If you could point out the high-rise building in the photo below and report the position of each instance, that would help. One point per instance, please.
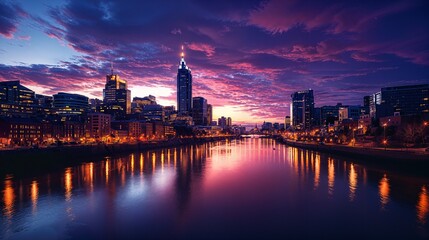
(70, 104)
(138, 103)
(229, 122)
(350, 112)
(404, 100)
(209, 114)
(116, 96)
(287, 122)
(95, 105)
(367, 103)
(302, 109)
(184, 87)
(374, 103)
(317, 116)
(222, 122)
(13, 92)
(199, 111)
(153, 112)
(44, 101)
(329, 114)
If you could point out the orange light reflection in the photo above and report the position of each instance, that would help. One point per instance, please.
(423, 206)
(384, 190)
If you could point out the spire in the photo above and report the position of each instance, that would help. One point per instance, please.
(182, 64)
(111, 67)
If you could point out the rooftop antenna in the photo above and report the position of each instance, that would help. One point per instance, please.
(111, 67)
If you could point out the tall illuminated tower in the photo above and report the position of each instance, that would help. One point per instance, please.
(116, 96)
(184, 87)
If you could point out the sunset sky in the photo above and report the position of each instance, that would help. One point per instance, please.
(247, 57)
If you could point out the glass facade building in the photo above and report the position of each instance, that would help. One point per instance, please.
(302, 109)
(184, 88)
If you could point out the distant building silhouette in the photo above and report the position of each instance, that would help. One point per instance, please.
(209, 114)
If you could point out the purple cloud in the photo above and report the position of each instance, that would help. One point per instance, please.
(9, 18)
(248, 54)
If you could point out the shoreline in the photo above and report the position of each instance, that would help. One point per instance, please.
(41, 158)
(366, 154)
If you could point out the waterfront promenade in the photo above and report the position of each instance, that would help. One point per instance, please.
(390, 155)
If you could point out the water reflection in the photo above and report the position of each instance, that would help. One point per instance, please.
(317, 171)
(180, 183)
(331, 176)
(68, 185)
(34, 195)
(384, 190)
(8, 198)
(423, 206)
(353, 176)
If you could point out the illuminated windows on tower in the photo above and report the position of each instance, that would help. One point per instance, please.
(184, 87)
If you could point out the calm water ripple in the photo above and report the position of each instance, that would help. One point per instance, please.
(242, 189)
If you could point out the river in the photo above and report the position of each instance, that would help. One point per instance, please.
(239, 189)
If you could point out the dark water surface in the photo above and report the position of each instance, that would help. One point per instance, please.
(242, 189)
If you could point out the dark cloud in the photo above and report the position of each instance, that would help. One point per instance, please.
(9, 18)
(251, 54)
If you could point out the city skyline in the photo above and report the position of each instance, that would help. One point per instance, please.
(247, 58)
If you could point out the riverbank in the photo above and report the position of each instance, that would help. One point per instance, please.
(395, 156)
(28, 159)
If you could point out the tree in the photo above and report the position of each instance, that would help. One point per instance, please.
(411, 133)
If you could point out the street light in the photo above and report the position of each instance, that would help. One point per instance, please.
(354, 140)
(384, 141)
(424, 132)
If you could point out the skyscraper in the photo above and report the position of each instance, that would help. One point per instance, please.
(184, 87)
(302, 109)
(367, 103)
(199, 111)
(116, 96)
(209, 114)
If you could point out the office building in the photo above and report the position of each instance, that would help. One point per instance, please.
(199, 111)
(329, 114)
(317, 116)
(116, 96)
(138, 103)
(229, 122)
(209, 114)
(70, 104)
(302, 109)
(222, 122)
(14, 93)
(98, 125)
(287, 122)
(184, 87)
(367, 103)
(404, 100)
(350, 112)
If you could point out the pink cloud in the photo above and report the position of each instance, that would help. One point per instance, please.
(202, 47)
(362, 57)
(277, 16)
